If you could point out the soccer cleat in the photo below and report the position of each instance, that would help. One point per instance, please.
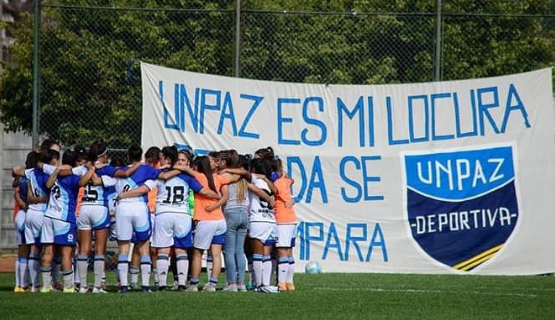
(282, 286)
(230, 288)
(210, 287)
(18, 289)
(290, 286)
(123, 289)
(45, 290)
(99, 290)
(83, 290)
(268, 289)
(70, 290)
(145, 289)
(192, 288)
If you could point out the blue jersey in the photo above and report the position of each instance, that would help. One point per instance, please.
(98, 195)
(37, 181)
(23, 183)
(173, 194)
(63, 198)
(137, 179)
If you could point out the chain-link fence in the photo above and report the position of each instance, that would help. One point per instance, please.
(90, 78)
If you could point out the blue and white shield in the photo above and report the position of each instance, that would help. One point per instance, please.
(462, 206)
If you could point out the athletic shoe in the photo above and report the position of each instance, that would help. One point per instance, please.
(45, 289)
(103, 285)
(250, 286)
(58, 287)
(35, 289)
(290, 286)
(242, 288)
(268, 289)
(82, 290)
(123, 289)
(99, 290)
(134, 286)
(146, 289)
(192, 288)
(18, 290)
(70, 290)
(211, 287)
(181, 288)
(175, 285)
(282, 286)
(230, 288)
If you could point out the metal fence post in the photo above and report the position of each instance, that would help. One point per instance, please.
(437, 75)
(238, 39)
(36, 79)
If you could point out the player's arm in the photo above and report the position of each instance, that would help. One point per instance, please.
(64, 170)
(260, 193)
(87, 176)
(52, 178)
(133, 193)
(208, 193)
(32, 199)
(185, 169)
(96, 180)
(225, 195)
(17, 198)
(270, 184)
(242, 173)
(18, 171)
(168, 174)
(125, 173)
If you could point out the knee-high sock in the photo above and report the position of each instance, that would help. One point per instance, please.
(146, 267)
(257, 269)
(291, 271)
(283, 268)
(266, 270)
(68, 278)
(82, 266)
(34, 268)
(98, 268)
(123, 268)
(17, 277)
(182, 262)
(46, 277)
(162, 266)
(22, 272)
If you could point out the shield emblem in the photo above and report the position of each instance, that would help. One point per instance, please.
(462, 206)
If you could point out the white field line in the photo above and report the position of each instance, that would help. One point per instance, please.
(423, 291)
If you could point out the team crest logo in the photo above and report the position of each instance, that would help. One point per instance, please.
(462, 206)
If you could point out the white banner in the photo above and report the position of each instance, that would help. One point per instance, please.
(445, 177)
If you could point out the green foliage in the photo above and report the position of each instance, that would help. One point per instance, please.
(90, 77)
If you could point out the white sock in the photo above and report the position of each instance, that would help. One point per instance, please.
(162, 266)
(123, 268)
(134, 272)
(209, 264)
(182, 268)
(291, 271)
(34, 268)
(266, 270)
(23, 272)
(82, 266)
(283, 268)
(68, 278)
(46, 277)
(17, 271)
(98, 268)
(146, 268)
(257, 269)
(155, 274)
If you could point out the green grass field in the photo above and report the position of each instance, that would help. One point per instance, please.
(325, 296)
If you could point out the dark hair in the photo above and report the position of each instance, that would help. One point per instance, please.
(262, 166)
(47, 155)
(47, 144)
(170, 152)
(232, 159)
(135, 153)
(245, 161)
(32, 159)
(215, 154)
(152, 154)
(97, 148)
(265, 153)
(69, 158)
(203, 166)
(117, 162)
(80, 153)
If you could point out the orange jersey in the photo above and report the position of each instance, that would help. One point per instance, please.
(79, 201)
(284, 214)
(152, 195)
(202, 202)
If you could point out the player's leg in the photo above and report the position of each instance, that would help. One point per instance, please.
(101, 237)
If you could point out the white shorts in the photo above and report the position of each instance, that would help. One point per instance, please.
(209, 232)
(33, 226)
(93, 217)
(58, 232)
(133, 221)
(19, 222)
(286, 235)
(263, 231)
(172, 229)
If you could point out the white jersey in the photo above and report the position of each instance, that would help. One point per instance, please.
(37, 184)
(173, 194)
(260, 210)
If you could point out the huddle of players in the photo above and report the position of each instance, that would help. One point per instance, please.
(231, 194)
